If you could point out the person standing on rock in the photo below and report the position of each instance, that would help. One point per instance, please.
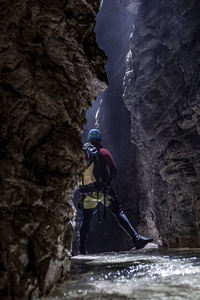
(95, 188)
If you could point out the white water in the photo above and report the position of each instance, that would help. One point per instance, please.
(144, 274)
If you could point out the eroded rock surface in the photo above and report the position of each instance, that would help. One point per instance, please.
(51, 69)
(162, 93)
(131, 5)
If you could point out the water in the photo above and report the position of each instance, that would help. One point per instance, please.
(144, 274)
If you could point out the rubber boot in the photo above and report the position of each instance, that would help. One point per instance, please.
(141, 241)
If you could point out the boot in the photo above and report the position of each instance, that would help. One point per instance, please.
(141, 241)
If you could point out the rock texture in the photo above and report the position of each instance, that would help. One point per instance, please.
(162, 94)
(50, 71)
(131, 5)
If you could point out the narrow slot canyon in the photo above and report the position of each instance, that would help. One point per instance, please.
(131, 69)
(110, 115)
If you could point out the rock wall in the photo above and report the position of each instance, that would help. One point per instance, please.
(161, 91)
(51, 69)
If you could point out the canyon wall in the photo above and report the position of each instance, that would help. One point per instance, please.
(162, 93)
(51, 69)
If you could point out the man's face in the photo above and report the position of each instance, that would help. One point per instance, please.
(95, 142)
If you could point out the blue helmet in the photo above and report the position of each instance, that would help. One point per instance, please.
(94, 134)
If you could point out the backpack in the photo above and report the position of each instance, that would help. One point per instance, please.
(96, 176)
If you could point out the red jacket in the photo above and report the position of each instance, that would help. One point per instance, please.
(110, 163)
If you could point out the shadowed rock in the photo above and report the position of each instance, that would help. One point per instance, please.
(161, 90)
(131, 5)
(50, 71)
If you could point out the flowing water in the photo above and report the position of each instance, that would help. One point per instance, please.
(142, 274)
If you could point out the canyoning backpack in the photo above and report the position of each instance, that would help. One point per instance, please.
(96, 177)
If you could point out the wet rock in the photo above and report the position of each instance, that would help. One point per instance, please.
(131, 5)
(51, 69)
(161, 91)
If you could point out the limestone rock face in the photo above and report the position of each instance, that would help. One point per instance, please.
(131, 5)
(162, 93)
(50, 71)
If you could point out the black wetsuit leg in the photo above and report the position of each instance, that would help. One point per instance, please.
(85, 226)
(123, 221)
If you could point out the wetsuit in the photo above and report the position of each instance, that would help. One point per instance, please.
(90, 203)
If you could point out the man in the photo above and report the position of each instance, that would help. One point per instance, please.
(96, 188)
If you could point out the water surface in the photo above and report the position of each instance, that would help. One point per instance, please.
(143, 274)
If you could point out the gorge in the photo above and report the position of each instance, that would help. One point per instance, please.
(51, 70)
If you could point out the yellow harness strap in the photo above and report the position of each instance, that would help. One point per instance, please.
(90, 201)
(88, 176)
